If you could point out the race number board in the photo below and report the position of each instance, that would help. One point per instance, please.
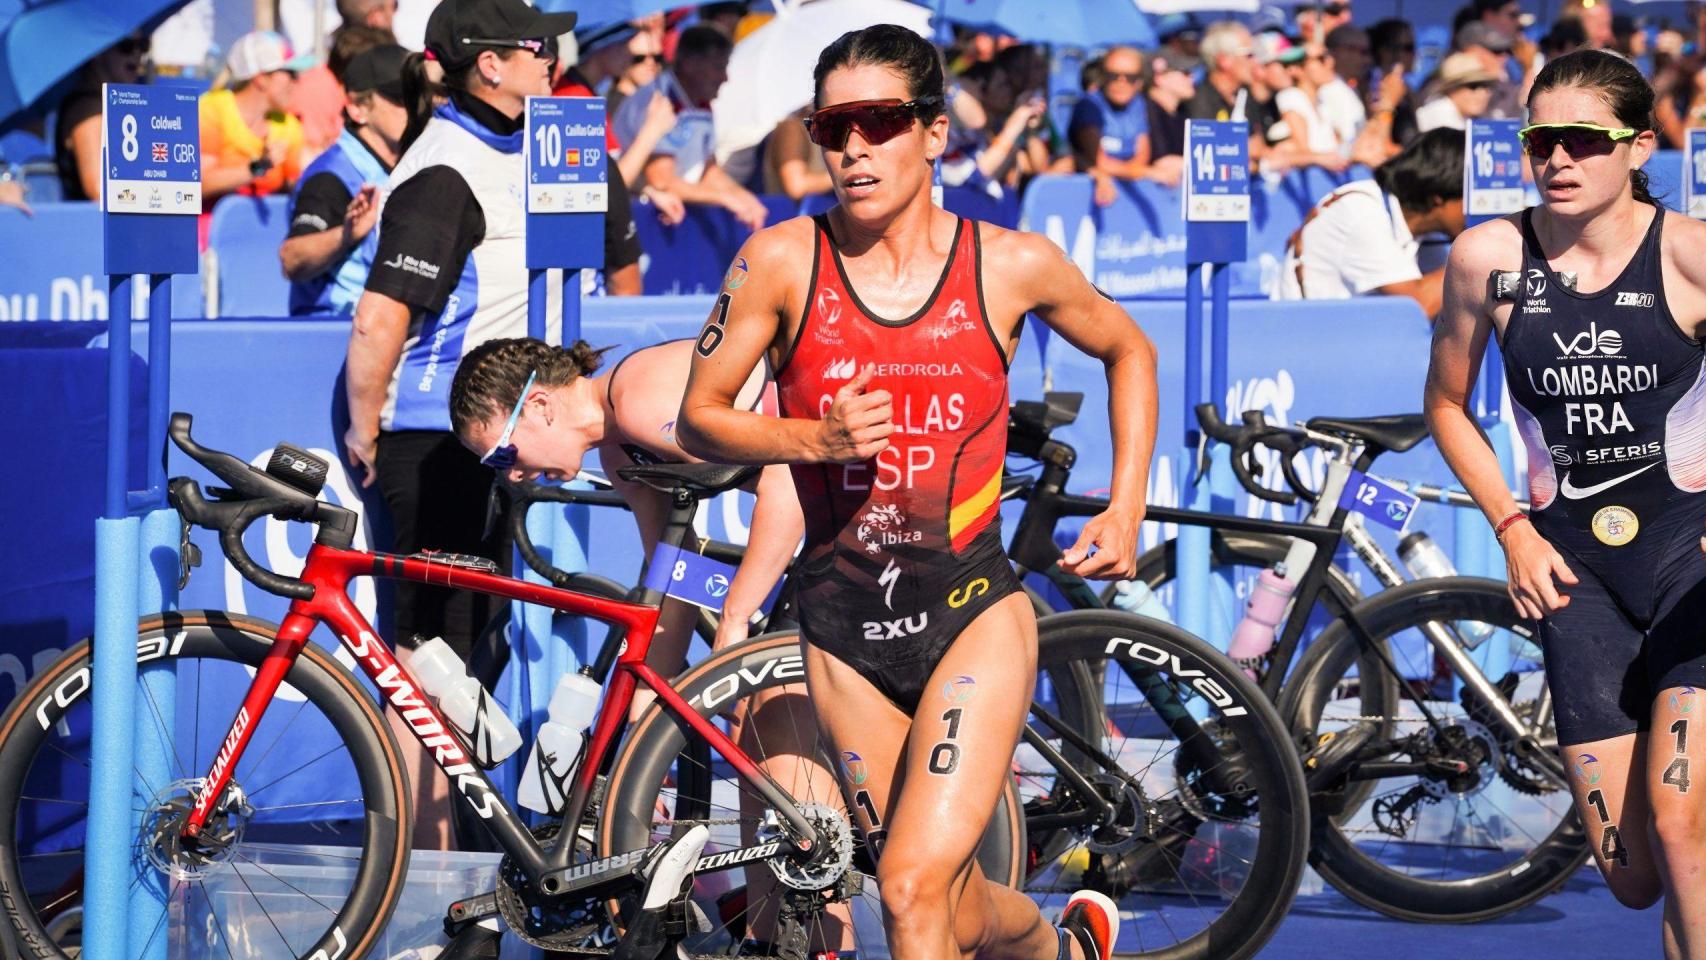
(1492, 170)
(1216, 194)
(151, 177)
(568, 189)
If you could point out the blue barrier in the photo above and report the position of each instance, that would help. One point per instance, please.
(242, 242)
(52, 267)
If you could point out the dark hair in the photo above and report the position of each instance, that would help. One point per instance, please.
(352, 39)
(1615, 81)
(1093, 73)
(489, 379)
(1347, 33)
(1567, 34)
(1385, 34)
(1427, 172)
(420, 93)
(909, 55)
(701, 41)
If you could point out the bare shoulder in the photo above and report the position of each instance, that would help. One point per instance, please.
(1684, 238)
(1483, 248)
(1017, 250)
(780, 243)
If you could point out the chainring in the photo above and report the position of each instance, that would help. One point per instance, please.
(567, 924)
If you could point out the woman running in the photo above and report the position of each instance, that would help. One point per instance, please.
(1598, 297)
(892, 355)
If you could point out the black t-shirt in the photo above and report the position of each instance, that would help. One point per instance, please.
(1166, 131)
(321, 202)
(431, 218)
(78, 107)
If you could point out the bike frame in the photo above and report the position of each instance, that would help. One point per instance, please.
(329, 570)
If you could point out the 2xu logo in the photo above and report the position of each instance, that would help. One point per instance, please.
(1155, 656)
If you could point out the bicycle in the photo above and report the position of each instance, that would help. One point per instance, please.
(1432, 751)
(562, 888)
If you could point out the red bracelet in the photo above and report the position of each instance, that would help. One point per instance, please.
(1505, 524)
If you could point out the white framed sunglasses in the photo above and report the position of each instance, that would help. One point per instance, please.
(502, 454)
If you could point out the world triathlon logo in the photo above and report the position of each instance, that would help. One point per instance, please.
(960, 689)
(1587, 769)
(857, 773)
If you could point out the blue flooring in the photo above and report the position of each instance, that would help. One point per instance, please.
(1581, 920)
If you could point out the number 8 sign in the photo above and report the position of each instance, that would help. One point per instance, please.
(150, 136)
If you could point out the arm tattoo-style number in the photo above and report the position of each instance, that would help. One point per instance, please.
(1680, 728)
(1677, 774)
(1597, 801)
(1611, 847)
(712, 336)
(945, 756)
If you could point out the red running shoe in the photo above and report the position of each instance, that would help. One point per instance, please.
(1095, 921)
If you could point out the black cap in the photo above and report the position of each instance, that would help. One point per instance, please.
(455, 21)
(379, 69)
(598, 36)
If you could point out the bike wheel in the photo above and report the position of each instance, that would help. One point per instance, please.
(1238, 558)
(658, 789)
(1205, 830)
(1477, 833)
(253, 888)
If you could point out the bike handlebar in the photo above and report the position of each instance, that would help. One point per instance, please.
(1243, 440)
(524, 495)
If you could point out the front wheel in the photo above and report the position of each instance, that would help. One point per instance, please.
(250, 887)
(1436, 817)
(1186, 806)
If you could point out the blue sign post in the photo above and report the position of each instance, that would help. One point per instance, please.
(567, 196)
(1694, 173)
(1216, 198)
(1492, 188)
(151, 194)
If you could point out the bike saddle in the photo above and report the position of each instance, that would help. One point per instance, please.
(701, 481)
(1396, 433)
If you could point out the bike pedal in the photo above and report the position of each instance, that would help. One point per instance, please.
(469, 911)
(1334, 752)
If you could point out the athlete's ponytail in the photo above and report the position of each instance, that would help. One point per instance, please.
(1615, 81)
(490, 378)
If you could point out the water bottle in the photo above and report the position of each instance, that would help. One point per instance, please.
(574, 705)
(1134, 596)
(465, 703)
(1263, 612)
(1424, 559)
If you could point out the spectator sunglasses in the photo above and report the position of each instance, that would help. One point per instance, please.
(878, 121)
(1579, 139)
(545, 48)
(502, 454)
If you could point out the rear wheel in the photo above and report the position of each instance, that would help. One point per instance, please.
(305, 855)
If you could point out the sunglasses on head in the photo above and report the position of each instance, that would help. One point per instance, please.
(1578, 139)
(546, 47)
(502, 454)
(878, 121)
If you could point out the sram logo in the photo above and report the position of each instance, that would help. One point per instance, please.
(423, 719)
(746, 678)
(1155, 656)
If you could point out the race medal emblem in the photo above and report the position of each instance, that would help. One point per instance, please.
(1615, 526)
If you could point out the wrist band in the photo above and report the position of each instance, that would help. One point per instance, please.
(1505, 524)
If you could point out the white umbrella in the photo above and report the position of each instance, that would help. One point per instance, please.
(770, 72)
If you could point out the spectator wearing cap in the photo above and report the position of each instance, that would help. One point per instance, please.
(330, 247)
(600, 53)
(1314, 139)
(318, 100)
(1109, 129)
(1361, 239)
(684, 162)
(1179, 34)
(77, 137)
(1171, 83)
(449, 274)
(1494, 50)
(645, 62)
(1465, 90)
(250, 143)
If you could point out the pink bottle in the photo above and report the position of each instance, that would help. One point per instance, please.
(1254, 636)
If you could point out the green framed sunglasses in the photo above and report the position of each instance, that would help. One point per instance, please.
(1578, 139)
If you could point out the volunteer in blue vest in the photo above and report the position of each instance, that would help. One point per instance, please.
(449, 274)
(1109, 129)
(330, 248)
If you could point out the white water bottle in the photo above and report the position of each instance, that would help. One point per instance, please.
(1134, 596)
(574, 705)
(1424, 559)
(487, 729)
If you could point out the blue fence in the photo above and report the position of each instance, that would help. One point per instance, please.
(1133, 249)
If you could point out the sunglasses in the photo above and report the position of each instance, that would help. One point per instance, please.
(132, 45)
(878, 121)
(640, 58)
(1127, 77)
(1578, 139)
(537, 47)
(502, 454)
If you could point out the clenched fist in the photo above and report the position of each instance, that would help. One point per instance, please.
(858, 424)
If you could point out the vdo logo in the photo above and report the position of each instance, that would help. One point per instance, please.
(1590, 341)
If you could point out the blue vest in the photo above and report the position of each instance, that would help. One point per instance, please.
(1121, 128)
(337, 290)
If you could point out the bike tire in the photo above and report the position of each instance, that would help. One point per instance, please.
(771, 664)
(1371, 875)
(48, 722)
(1158, 566)
(1261, 809)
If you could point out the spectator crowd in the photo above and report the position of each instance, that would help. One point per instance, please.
(1318, 89)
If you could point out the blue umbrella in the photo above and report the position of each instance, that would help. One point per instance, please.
(43, 42)
(598, 12)
(1083, 23)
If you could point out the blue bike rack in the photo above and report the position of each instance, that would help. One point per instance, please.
(136, 537)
